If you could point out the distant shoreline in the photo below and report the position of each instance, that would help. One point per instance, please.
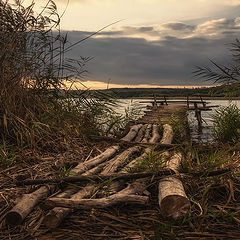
(192, 97)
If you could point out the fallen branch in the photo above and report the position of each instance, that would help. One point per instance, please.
(118, 176)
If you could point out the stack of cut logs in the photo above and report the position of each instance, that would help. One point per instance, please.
(173, 201)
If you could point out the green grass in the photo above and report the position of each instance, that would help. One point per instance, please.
(226, 124)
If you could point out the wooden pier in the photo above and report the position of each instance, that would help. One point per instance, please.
(127, 165)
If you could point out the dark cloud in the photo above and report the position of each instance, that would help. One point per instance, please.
(179, 26)
(168, 61)
(145, 29)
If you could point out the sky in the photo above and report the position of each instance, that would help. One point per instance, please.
(156, 43)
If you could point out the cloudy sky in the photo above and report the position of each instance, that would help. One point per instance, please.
(156, 43)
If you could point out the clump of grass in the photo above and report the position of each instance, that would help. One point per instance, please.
(226, 124)
(7, 154)
(200, 159)
(152, 162)
(37, 105)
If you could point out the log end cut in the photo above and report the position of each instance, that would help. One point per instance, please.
(174, 206)
(13, 218)
(172, 198)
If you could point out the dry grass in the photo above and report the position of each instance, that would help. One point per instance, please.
(214, 213)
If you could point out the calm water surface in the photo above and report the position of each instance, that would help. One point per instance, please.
(197, 135)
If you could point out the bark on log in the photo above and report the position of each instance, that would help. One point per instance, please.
(172, 198)
(26, 205)
(84, 166)
(54, 218)
(167, 134)
(140, 134)
(128, 195)
(96, 169)
(174, 162)
(147, 133)
(132, 133)
(155, 134)
(120, 160)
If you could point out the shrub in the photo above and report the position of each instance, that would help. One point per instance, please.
(226, 124)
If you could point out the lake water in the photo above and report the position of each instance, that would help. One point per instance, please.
(197, 135)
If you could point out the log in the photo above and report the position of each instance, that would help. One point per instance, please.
(84, 166)
(167, 134)
(141, 133)
(132, 133)
(120, 160)
(29, 201)
(26, 205)
(147, 133)
(132, 165)
(155, 134)
(174, 162)
(172, 198)
(58, 214)
(96, 169)
(54, 218)
(128, 195)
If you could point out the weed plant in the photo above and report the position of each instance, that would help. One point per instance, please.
(226, 124)
(37, 106)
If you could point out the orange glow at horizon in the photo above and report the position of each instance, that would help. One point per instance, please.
(97, 85)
